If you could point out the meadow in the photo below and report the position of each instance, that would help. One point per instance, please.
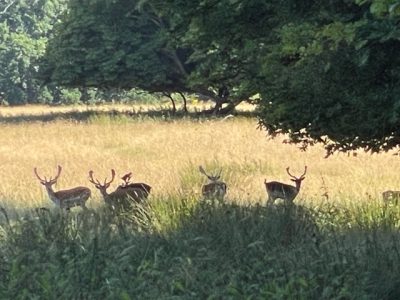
(338, 242)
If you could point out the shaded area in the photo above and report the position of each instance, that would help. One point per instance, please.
(195, 250)
(85, 116)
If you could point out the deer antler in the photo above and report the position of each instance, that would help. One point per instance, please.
(37, 175)
(58, 174)
(202, 171)
(112, 178)
(302, 176)
(97, 183)
(211, 177)
(92, 180)
(305, 171)
(45, 178)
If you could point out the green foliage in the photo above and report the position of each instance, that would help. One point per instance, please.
(25, 27)
(102, 44)
(336, 79)
(184, 249)
(154, 46)
(323, 72)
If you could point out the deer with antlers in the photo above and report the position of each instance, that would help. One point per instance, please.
(121, 197)
(65, 199)
(216, 189)
(391, 196)
(278, 190)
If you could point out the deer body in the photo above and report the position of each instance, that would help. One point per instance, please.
(124, 194)
(286, 192)
(137, 191)
(216, 189)
(65, 199)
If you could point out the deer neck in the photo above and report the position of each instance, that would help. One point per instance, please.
(52, 195)
(298, 185)
(104, 193)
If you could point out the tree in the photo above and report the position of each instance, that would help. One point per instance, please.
(334, 77)
(24, 29)
(156, 46)
(324, 71)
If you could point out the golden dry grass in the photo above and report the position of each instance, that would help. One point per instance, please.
(166, 154)
(37, 110)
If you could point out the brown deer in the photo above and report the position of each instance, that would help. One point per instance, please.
(216, 189)
(391, 196)
(65, 199)
(122, 196)
(139, 190)
(278, 190)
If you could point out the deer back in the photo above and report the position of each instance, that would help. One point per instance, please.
(124, 196)
(214, 190)
(278, 190)
(72, 197)
(136, 191)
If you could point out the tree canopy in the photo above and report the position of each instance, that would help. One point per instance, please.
(333, 77)
(323, 72)
(25, 27)
(153, 45)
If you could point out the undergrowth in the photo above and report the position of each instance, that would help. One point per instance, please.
(196, 250)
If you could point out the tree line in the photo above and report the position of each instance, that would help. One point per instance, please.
(320, 71)
(26, 26)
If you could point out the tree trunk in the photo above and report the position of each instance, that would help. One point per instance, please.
(172, 101)
(84, 95)
(184, 102)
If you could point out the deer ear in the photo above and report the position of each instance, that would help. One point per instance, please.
(294, 180)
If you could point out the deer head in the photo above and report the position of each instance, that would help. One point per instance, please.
(48, 183)
(297, 180)
(212, 178)
(102, 186)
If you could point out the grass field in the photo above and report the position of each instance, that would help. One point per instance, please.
(344, 246)
(166, 154)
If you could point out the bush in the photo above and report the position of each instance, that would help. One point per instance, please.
(184, 249)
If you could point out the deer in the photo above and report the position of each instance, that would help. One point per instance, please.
(216, 189)
(278, 190)
(140, 190)
(391, 196)
(65, 199)
(121, 197)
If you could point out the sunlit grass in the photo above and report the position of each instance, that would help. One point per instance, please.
(35, 110)
(342, 244)
(166, 154)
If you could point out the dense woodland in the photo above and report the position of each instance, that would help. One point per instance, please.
(321, 71)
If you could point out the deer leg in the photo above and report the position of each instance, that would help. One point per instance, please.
(270, 200)
(83, 205)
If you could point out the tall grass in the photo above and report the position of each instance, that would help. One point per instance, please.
(192, 250)
(338, 242)
(166, 154)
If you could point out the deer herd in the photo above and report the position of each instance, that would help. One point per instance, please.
(128, 193)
